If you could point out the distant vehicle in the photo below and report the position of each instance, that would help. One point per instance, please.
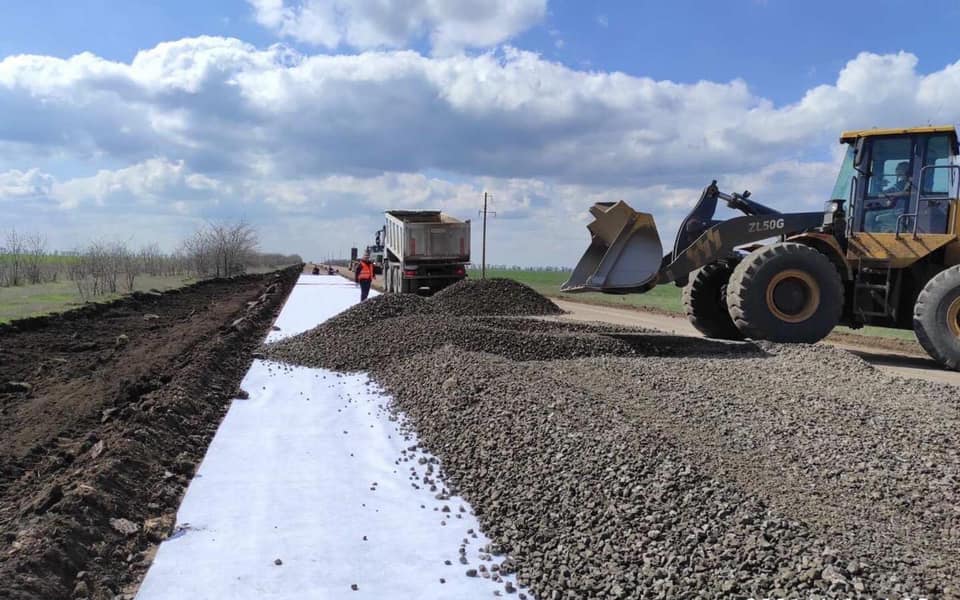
(376, 252)
(424, 251)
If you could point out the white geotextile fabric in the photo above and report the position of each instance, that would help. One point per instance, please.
(288, 476)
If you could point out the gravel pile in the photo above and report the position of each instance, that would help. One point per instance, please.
(585, 499)
(870, 459)
(355, 346)
(615, 463)
(492, 297)
(378, 308)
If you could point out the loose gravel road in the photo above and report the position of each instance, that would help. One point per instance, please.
(614, 462)
(898, 362)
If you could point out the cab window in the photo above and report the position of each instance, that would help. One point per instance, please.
(936, 186)
(888, 188)
(936, 181)
(841, 189)
(889, 166)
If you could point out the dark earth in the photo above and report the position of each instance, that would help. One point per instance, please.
(105, 411)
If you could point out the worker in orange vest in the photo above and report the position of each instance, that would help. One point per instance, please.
(364, 275)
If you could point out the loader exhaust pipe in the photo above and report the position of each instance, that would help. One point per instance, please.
(625, 252)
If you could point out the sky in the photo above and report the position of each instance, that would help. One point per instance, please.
(140, 121)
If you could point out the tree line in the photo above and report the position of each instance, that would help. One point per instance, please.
(102, 267)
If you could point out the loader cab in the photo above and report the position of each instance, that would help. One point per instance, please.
(900, 181)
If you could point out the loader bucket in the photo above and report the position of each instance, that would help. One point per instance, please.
(624, 254)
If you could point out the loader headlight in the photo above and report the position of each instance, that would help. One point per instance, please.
(833, 212)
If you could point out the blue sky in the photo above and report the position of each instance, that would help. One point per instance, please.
(370, 107)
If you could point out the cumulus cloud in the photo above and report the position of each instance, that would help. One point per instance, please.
(450, 25)
(155, 181)
(226, 107)
(33, 183)
(205, 126)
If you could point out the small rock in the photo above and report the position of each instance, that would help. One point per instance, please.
(471, 572)
(124, 526)
(80, 590)
(16, 387)
(158, 529)
(107, 413)
(354, 587)
(278, 562)
(833, 575)
(122, 340)
(150, 317)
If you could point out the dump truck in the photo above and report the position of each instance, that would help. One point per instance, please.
(885, 251)
(424, 251)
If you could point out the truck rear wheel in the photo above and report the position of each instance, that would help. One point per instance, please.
(785, 292)
(936, 318)
(705, 302)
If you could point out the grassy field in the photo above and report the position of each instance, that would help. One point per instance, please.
(35, 300)
(663, 297)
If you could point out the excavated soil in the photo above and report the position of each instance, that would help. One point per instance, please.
(105, 412)
(617, 463)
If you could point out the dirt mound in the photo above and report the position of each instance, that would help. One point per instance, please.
(492, 297)
(97, 451)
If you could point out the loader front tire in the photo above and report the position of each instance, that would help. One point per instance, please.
(936, 318)
(705, 301)
(785, 292)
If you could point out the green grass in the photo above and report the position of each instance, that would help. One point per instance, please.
(662, 297)
(34, 300)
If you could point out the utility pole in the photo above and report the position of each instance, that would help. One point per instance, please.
(483, 251)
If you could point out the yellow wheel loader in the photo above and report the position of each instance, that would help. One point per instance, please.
(885, 251)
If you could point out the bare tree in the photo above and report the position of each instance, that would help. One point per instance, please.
(13, 258)
(130, 265)
(151, 260)
(34, 257)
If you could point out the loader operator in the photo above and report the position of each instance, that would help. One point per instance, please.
(364, 275)
(883, 214)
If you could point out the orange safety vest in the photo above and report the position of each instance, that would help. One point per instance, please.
(366, 271)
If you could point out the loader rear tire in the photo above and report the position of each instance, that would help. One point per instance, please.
(936, 318)
(785, 292)
(705, 301)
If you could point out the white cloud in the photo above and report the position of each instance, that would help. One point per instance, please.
(450, 25)
(16, 184)
(226, 107)
(152, 182)
(208, 127)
